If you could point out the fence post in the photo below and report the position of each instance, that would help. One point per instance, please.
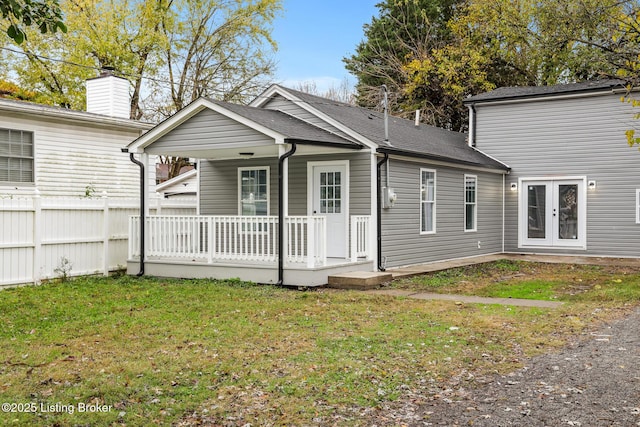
(105, 234)
(353, 223)
(311, 241)
(37, 236)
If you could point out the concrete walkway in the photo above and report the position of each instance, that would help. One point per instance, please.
(445, 265)
(467, 299)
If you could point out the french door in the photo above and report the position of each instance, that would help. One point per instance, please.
(553, 213)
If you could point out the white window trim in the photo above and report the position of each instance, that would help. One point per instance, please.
(251, 168)
(435, 192)
(9, 186)
(475, 204)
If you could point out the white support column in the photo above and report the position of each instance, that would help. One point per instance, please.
(144, 158)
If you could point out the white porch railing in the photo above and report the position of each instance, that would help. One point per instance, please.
(243, 238)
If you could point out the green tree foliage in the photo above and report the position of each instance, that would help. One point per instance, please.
(45, 15)
(172, 51)
(434, 53)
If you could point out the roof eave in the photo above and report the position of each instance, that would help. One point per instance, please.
(435, 157)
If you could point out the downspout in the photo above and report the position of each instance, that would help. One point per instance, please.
(142, 208)
(281, 216)
(379, 210)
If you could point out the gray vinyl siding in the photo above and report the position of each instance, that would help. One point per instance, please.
(292, 108)
(570, 137)
(402, 242)
(219, 183)
(204, 130)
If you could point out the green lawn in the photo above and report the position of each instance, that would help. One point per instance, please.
(160, 352)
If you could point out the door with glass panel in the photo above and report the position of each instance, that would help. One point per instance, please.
(329, 195)
(553, 213)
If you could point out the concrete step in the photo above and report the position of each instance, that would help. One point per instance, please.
(359, 280)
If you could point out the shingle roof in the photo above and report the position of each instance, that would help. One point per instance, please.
(287, 125)
(524, 92)
(404, 137)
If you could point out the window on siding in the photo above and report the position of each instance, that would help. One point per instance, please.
(470, 202)
(427, 201)
(254, 191)
(16, 156)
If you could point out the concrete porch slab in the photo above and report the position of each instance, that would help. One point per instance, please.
(359, 280)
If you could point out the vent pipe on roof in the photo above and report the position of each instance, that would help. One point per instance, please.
(417, 123)
(385, 105)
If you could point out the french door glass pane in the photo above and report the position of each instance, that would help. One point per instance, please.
(536, 220)
(568, 211)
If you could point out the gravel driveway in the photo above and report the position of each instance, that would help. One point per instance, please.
(592, 382)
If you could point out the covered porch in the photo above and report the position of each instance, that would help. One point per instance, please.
(246, 247)
(280, 201)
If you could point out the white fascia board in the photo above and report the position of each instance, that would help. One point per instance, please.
(262, 99)
(188, 112)
(541, 98)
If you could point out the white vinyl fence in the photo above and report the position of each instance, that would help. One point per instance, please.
(43, 238)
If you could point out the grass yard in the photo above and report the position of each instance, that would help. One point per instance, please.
(168, 352)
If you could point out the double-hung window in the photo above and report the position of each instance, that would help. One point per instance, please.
(427, 201)
(16, 156)
(470, 202)
(253, 191)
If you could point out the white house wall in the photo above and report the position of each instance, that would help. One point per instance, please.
(71, 157)
(583, 137)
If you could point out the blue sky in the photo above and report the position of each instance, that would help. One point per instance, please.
(314, 35)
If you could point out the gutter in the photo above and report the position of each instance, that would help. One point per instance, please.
(281, 216)
(379, 210)
(142, 208)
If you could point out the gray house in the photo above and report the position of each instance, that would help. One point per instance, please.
(295, 188)
(574, 184)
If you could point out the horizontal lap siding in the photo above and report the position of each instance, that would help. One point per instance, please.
(71, 158)
(402, 242)
(570, 137)
(219, 183)
(204, 130)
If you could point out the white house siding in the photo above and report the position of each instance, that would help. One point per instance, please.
(570, 137)
(402, 242)
(219, 183)
(72, 156)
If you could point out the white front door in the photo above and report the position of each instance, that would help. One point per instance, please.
(330, 189)
(553, 213)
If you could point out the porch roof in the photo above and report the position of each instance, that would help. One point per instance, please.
(265, 129)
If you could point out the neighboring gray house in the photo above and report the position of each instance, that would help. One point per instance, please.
(294, 188)
(574, 185)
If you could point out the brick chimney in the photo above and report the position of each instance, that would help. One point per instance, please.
(109, 95)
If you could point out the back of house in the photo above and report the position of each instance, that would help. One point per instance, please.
(574, 184)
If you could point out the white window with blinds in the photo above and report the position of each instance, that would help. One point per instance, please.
(16, 156)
